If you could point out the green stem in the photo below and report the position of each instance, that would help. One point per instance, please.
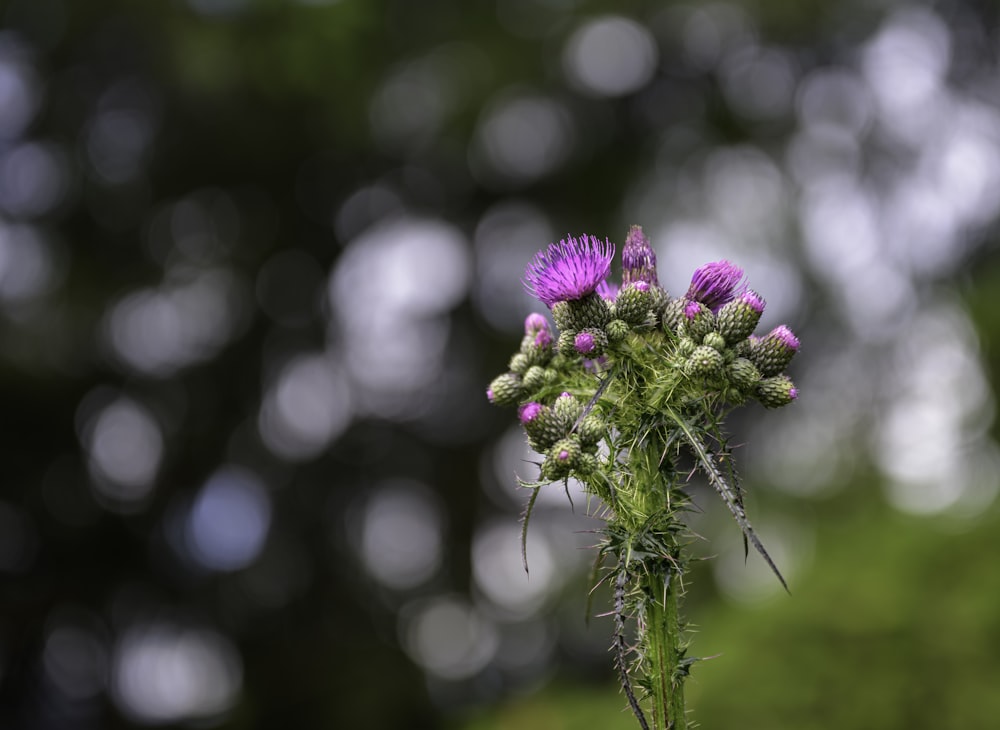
(665, 653)
(657, 504)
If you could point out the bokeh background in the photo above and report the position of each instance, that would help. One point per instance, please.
(259, 259)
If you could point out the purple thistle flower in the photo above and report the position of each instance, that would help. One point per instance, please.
(715, 283)
(529, 412)
(543, 339)
(563, 455)
(786, 337)
(752, 299)
(607, 291)
(638, 258)
(793, 393)
(584, 343)
(691, 310)
(535, 322)
(489, 395)
(569, 270)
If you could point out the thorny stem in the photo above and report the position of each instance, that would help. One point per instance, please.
(658, 581)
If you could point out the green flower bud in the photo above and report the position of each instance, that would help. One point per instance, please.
(743, 374)
(591, 430)
(705, 361)
(590, 311)
(697, 320)
(633, 302)
(533, 379)
(772, 353)
(567, 409)
(567, 344)
(685, 346)
(519, 363)
(776, 391)
(659, 300)
(737, 319)
(673, 314)
(505, 390)
(617, 330)
(563, 316)
(586, 464)
(561, 458)
(541, 424)
(715, 341)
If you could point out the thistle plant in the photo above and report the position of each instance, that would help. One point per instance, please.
(629, 396)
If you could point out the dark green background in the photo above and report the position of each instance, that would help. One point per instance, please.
(894, 618)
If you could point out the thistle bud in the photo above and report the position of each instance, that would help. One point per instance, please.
(617, 330)
(567, 343)
(505, 390)
(562, 315)
(537, 348)
(590, 311)
(567, 410)
(715, 341)
(772, 352)
(586, 464)
(633, 302)
(685, 346)
(737, 319)
(673, 314)
(705, 362)
(519, 363)
(743, 374)
(697, 320)
(533, 379)
(541, 424)
(638, 259)
(590, 342)
(591, 430)
(535, 323)
(776, 391)
(561, 458)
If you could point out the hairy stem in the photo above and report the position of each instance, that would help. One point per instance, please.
(655, 528)
(665, 653)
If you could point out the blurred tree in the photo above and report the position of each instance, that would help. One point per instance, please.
(258, 260)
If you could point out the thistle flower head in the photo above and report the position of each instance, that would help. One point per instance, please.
(751, 299)
(715, 283)
(738, 318)
(772, 352)
(569, 270)
(585, 343)
(535, 323)
(638, 258)
(786, 337)
(692, 309)
(529, 412)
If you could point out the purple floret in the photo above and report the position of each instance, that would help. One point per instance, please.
(753, 300)
(584, 343)
(638, 258)
(529, 412)
(569, 270)
(786, 337)
(715, 283)
(535, 322)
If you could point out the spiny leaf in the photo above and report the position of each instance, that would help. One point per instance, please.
(525, 516)
(733, 501)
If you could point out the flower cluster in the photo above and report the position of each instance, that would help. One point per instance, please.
(705, 336)
(650, 378)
